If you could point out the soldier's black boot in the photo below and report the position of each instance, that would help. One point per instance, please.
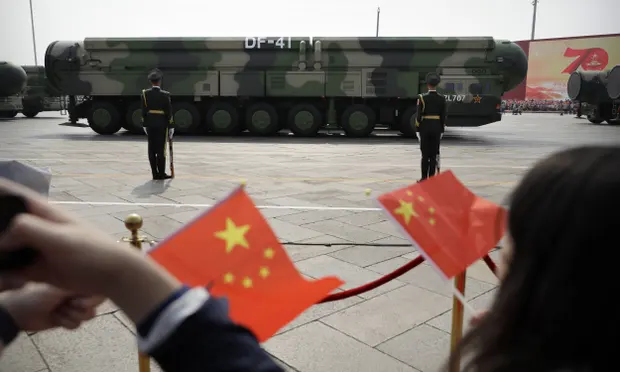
(424, 166)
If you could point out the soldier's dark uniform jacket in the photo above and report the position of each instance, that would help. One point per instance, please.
(157, 119)
(430, 122)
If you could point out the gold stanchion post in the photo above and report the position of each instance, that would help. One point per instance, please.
(133, 223)
(457, 321)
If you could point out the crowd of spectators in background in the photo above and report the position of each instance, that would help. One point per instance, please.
(532, 105)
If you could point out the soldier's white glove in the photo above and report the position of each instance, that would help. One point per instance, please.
(441, 136)
(417, 134)
(170, 133)
(145, 132)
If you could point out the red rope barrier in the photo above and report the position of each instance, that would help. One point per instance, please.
(374, 284)
(389, 277)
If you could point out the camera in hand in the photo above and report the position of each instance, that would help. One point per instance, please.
(11, 206)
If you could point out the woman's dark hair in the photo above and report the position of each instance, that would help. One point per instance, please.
(557, 309)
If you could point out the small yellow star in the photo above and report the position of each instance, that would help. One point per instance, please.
(406, 210)
(229, 278)
(264, 272)
(431, 210)
(247, 282)
(409, 193)
(431, 221)
(233, 235)
(269, 253)
(420, 198)
(477, 99)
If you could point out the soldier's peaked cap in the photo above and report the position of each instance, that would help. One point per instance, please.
(433, 78)
(155, 75)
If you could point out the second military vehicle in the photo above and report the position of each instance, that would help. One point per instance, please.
(12, 82)
(227, 85)
(39, 96)
(598, 92)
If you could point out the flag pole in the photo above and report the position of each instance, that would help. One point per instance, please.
(133, 223)
(457, 318)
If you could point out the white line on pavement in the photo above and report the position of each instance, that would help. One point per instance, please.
(294, 207)
(383, 165)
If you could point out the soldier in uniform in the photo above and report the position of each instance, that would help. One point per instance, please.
(158, 123)
(430, 123)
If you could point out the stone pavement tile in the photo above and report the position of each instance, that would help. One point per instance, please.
(367, 255)
(353, 276)
(312, 216)
(107, 224)
(345, 231)
(191, 199)
(289, 201)
(22, 356)
(387, 227)
(97, 210)
(315, 347)
(423, 347)
(107, 307)
(363, 218)
(160, 227)
(309, 248)
(321, 310)
(385, 316)
(424, 276)
(185, 217)
(151, 211)
(342, 203)
(288, 232)
(103, 344)
(480, 303)
(283, 365)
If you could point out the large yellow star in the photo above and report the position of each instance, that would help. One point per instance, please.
(233, 235)
(406, 210)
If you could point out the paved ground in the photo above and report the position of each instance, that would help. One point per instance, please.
(312, 191)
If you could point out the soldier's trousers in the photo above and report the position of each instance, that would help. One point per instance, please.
(429, 145)
(157, 150)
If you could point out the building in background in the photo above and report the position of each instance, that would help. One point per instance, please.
(551, 61)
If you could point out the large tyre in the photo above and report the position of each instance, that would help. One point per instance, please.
(133, 118)
(186, 117)
(407, 121)
(358, 121)
(104, 118)
(262, 119)
(222, 118)
(304, 120)
(30, 113)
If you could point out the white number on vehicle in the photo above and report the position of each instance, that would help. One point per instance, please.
(455, 97)
(283, 42)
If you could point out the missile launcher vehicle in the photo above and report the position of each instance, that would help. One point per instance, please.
(12, 83)
(600, 91)
(39, 96)
(266, 84)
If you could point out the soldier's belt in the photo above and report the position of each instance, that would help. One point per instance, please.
(157, 112)
(431, 117)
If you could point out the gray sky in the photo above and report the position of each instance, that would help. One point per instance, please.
(77, 19)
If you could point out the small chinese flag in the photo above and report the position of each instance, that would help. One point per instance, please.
(451, 225)
(232, 249)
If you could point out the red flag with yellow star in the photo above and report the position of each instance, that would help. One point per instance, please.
(452, 227)
(232, 249)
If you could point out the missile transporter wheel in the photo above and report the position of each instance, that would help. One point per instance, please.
(186, 117)
(104, 118)
(30, 113)
(133, 118)
(358, 121)
(262, 119)
(304, 120)
(222, 118)
(407, 123)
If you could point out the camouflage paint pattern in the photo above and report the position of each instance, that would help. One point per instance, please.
(291, 68)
